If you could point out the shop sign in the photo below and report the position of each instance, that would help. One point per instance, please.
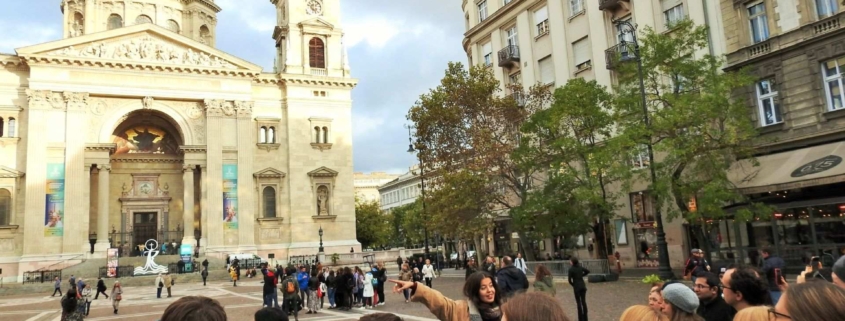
(817, 166)
(645, 224)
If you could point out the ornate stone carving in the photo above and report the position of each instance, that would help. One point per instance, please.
(322, 200)
(76, 101)
(38, 98)
(98, 107)
(270, 233)
(244, 108)
(104, 167)
(214, 107)
(148, 102)
(57, 101)
(194, 112)
(146, 49)
(228, 108)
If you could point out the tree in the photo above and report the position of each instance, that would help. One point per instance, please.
(698, 131)
(408, 218)
(571, 142)
(465, 123)
(459, 207)
(371, 225)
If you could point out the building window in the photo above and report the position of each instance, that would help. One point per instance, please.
(624, 36)
(505, 2)
(317, 134)
(115, 21)
(269, 197)
(205, 35)
(482, 11)
(759, 22)
(511, 36)
(641, 207)
(639, 158)
(271, 135)
(172, 25)
(672, 15)
(541, 19)
(262, 135)
(11, 128)
(576, 7)
(1, 127)
(143, 19)
(515, 78)
(487, 51)
(547, 70)
(325, 135)
(832, 71)
(826, 8)
(5, 207)
(767, 100)
(581, 51)
(316, 53)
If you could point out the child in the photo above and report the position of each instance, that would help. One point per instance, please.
(368, 290)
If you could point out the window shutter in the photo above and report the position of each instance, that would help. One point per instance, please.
(541, 15)
(581, 51)
(547, 70)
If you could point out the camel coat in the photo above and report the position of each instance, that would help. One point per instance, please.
(442, 307)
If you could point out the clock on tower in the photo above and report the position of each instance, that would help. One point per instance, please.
(314, 8)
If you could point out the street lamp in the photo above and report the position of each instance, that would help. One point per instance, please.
(664, 269)
(321, 239)
(422, 188)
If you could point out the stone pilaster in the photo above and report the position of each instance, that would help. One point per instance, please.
(246, 192)
(188, 204)
(75, 238)
(214, 177)
(36, 174)
(204, 206)
(102, 209)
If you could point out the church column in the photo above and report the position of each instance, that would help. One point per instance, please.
(188, 205)
(102, 208)
(204, 206)
(36, 176)
(246, 192)
(214, 177)
(76, 210)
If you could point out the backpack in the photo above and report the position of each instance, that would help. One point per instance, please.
(290, 288)
(375, 281)
(272, 276)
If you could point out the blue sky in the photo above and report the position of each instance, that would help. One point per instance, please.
(398, 49)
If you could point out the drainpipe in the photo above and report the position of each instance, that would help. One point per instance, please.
(707, 22)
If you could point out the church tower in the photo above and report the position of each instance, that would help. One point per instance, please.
(309, 40)
(195, 19)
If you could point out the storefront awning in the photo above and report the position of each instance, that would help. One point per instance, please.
(817, 165)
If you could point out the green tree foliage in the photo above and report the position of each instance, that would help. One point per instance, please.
(570, 142)
(371, 225)
(408, 224)
(460, 206)
(698, 131)
(466, 124)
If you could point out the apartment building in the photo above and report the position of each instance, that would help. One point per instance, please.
(367, 184)
(403, 190)
(549, 42)
(796, 51)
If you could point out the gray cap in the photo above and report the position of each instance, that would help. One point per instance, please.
(681, 296)
(839, 268)
(695, 251)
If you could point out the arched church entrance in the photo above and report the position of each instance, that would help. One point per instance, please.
(147, 178)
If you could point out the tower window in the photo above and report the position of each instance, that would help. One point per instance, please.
(269, 196)
(262, 135)
(11, 132)
(115, 21)
(205, 35)
(317, 54)
(143, 19)
(172, 25)
(271, 135)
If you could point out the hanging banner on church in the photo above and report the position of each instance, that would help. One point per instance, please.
(111, 263)
(230, 197)
(54, 212)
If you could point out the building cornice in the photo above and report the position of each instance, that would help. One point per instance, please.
(134, 66)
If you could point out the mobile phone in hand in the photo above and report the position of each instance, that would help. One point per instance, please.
(778, 276)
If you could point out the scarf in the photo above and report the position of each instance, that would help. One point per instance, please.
(483, 312)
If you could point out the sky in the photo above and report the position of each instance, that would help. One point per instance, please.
(398, 50)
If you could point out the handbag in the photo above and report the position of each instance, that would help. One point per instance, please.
(118, 297)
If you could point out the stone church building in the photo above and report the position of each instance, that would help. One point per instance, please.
(134, 126)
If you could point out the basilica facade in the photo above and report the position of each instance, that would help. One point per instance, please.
(134, 126)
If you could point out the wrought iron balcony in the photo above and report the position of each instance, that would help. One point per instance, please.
(619, 53)
(610, 4)
(508, 56)
(519, 98)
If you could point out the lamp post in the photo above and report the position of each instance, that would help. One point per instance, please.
(321, 239)
(411, 150)
(664, 269)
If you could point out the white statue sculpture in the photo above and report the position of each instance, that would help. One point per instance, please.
(322, 200)
(150, 267)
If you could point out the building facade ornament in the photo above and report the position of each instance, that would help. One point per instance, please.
(146, 49)
(214, 107)
(244, 108)
(228, 108)
(76, 101)
(148, 102)
(38, 99)
(104, 167)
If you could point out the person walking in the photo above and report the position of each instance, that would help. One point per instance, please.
(511, 280)
(290, 295)
(159, 283)
(205, 264)
(428, 273)
(57, 284)
(773, 268)
(204, 274)
(399, 262)
(83, 297)
(168, 282)
(303, 278)
(519, 262)
(407, 276)
(543, 280)
(117, 295)
(72, 282)
(101, 288)
(86, 294)
(233, 273)
(576, 279)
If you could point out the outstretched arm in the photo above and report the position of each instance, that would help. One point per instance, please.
(439, 305)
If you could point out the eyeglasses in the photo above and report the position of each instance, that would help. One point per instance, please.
(774, 315)
(701, 286)
(725, 287)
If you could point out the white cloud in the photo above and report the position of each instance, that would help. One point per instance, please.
(256, 15)
(366, 125)
(21, 35)
(376, 32)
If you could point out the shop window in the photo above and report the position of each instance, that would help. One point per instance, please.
(269, 198)
(642, 209)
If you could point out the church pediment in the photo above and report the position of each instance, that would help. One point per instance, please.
(140, 44)
(6, 172)
(323, 172)
(316, 22)
(269, 172)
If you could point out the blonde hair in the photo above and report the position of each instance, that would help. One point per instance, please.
(757, 313)
(642, 313)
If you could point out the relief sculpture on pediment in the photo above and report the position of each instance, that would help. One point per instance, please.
(146, 49)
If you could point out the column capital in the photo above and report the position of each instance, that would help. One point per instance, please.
(76, 101)
(104, 167)
(188, 167)
(244, 108)
(214, 107)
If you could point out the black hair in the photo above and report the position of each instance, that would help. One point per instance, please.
(712, 279)
(574, 260)
(473, 285)
(271, 314)
(747, 281)
(69, 301)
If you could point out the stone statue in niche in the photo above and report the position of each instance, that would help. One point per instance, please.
(322, 200)
(125, 189)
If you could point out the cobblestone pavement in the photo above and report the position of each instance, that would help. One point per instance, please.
(606, 301)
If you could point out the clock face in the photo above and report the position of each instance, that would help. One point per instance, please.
(314, 7)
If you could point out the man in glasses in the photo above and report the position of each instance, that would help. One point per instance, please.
(742, 287)
(711, 307)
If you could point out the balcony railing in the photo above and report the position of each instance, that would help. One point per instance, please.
(318, 71)
(519, 98)
(610, 4)
(508, 55)
(619, 53)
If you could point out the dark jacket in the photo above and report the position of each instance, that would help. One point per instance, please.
(101, 286)
(511, 280)
(269, 287)
(470, 271)
(824, 274)
(696, 266)
(330, 281)
(313, 284)
(576, 277)
(716, 310)
(769, 265)
(488, 267)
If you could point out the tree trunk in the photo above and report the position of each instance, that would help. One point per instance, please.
(602, 239)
